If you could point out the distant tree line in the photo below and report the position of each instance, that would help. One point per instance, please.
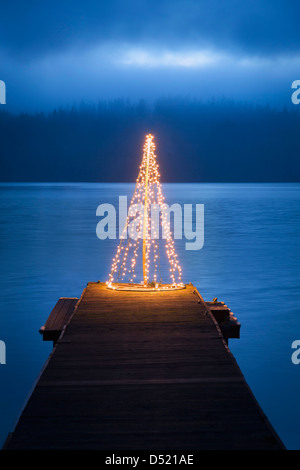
(196, 141)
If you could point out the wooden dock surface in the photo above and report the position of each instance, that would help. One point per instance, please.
(142, 371)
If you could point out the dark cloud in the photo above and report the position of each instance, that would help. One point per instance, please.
(256, 27)
(60, 52)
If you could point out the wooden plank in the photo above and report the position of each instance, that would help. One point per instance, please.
(219, 311)
(58, 318)
(142, 371)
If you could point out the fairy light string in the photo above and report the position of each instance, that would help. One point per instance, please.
(139, 228)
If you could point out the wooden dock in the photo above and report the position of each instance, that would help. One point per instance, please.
(142, 371)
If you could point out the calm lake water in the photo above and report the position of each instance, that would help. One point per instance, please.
(250, 260)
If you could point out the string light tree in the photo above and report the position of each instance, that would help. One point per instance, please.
(141, 235)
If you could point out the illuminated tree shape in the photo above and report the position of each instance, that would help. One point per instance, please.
(141, 234)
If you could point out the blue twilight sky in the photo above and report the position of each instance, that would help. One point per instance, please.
(61, 52)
